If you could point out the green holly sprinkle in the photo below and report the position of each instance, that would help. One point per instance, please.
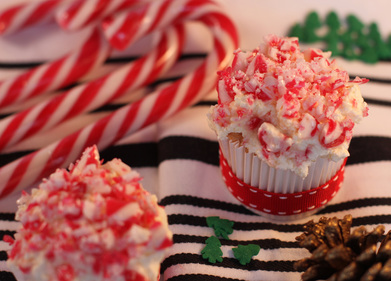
(244, 253)
(212, 251)
(222, 227)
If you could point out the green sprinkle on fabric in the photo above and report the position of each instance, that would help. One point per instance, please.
(348, 37)
(244, 253)
(212, 251)
(222, 227)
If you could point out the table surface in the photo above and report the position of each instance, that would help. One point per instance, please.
(178, 157)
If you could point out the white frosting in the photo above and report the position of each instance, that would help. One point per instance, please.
(290, 107)
(93, 222)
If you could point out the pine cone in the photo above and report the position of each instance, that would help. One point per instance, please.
(339, 254)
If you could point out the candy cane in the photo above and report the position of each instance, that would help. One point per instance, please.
(123, 29)
(27, 14)
(128, 119)
(81, 13)
(88, 97)
(56, 74)
(91, 95)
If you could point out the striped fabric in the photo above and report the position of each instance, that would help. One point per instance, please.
(178, 160)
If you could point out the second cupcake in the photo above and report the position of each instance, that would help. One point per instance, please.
(284, 121)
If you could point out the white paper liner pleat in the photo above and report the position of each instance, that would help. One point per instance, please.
(257, 173)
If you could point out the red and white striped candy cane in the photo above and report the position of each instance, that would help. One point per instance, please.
(56, 74)
(80, 13)
(94, 94)
(24, 15)
(125, 28)
(29, 169)
(89, 96)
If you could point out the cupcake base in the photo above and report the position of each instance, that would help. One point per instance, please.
(275, 193)
(278, 204)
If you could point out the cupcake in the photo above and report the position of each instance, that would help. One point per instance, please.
(284, 121)
(91, 222)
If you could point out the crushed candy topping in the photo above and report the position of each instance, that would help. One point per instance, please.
(290, 107)
(91, 222)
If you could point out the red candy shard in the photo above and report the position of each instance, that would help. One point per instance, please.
(113, 205)
(278, 84)
(8, 239)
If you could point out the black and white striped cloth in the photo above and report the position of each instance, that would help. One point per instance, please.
(178, 160)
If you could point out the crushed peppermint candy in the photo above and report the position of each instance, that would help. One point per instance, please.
(91, 222)
(290, 107)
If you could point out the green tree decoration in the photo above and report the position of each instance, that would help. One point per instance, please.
(332, 21)
(349, 38)
(332, 36)
(378, 43)
(351, 49)
(369, 54)
(296, 31)
(222, 227)
(354, 24)
(212, 251)
(244, 253)
(312, 23)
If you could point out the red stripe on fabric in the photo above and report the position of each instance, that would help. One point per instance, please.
(279, 203)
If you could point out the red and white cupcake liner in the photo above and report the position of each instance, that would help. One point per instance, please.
(276, 193)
